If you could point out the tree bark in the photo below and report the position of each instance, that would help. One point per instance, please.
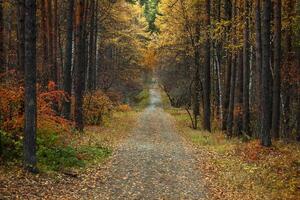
(30, 87)
(207, 75)
(2, 53)
(228, 17)
(239, 95)
(68, 61)
(44, 31)
(21, 34)
(277, 66)
(266, 76)
(79, 67)
(50, 41)
(246, 70)
(55, 39)
(231, 99)
(258, 60)
(91, 64)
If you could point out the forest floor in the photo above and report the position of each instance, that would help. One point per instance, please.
(74, 183)
(234, 168)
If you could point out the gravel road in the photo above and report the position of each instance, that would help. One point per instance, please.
(154, 162)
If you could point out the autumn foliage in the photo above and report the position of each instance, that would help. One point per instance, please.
(49, 103)
(97, 106)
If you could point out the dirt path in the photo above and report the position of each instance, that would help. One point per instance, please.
(154, 163)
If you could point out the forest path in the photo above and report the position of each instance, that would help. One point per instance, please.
(154, 163)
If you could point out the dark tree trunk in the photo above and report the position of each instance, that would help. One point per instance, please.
(30, 87)
(218, 66)
(287, 98)
(55, 39)
(246, 71)
(228, 16)
(2, 53)
(231, 99)
(50, 41)
(298, 67)
(258, 60)
(95, 46)
(91, 64)
(79, 67)
(277, 66)
(68, 61)
(239, 98)
(266, 75)
(196, 75)
(21, 35)
(207, 76)
(44, 31)
(2, 69)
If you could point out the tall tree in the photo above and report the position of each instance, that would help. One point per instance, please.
(67, 84)
(231, 98)
(44, 33)
(50, 34)
(79, 65)
(266, 75)
(246, 70)
(30, 87)
(239, 95)
(277, 66)
(55, 41)
(230, 111)
(21, 34)
(91, 64)
(2, 53)
(228, 17)
(196, 75)
(207, 76)
(258, 57)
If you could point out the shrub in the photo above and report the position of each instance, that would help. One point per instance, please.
(49, 102)
(123, 108)
(97, 106)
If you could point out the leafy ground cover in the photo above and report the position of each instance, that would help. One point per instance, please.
(69, 164)
(234, 169)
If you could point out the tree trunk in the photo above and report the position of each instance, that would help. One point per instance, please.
(91, 64)
(239, 98)
(277, 66)
(2, 53)
(44, 31)
(228, 16)
(30, 87)
(266, 75)
(196, 76)
(50, 41)
(79, 67)
(21, 34)
(68, 61)
(207, 76)
(258, 60)
(288, 66)
(95, 46)
(55, 31)
(231, 99)
(246, 70)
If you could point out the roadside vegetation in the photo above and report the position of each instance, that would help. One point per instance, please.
(239, 168)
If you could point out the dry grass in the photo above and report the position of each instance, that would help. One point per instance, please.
(112, 132)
